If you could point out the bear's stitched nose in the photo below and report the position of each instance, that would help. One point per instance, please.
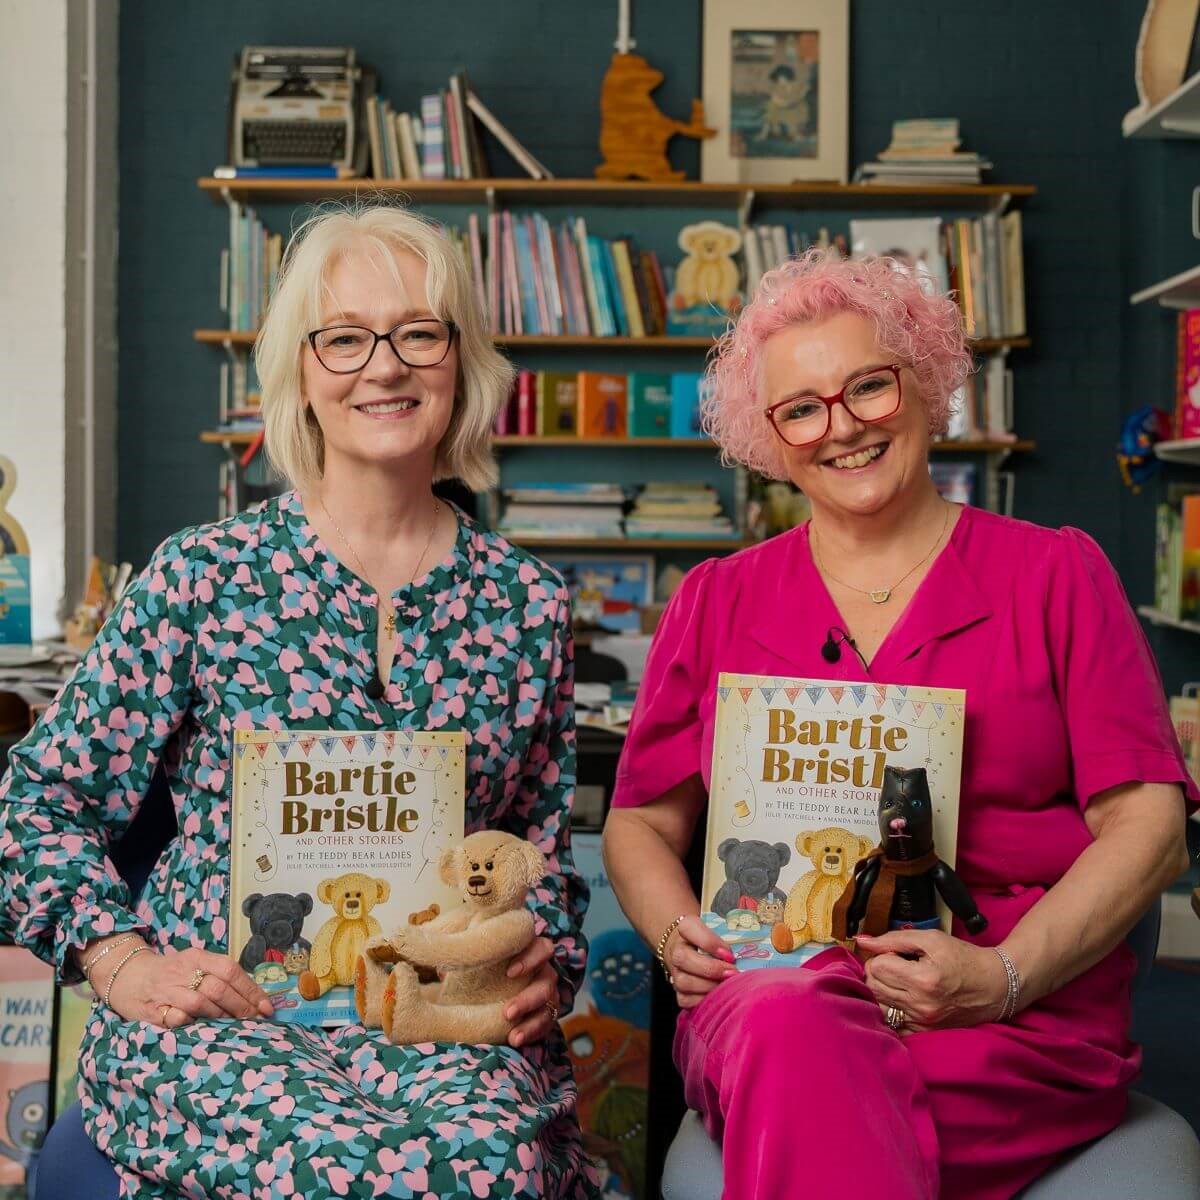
(897, 824)
(476, 881)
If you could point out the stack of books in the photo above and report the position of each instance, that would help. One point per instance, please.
(574, 511)
(249, 268)
(765, 247)
(678, 510)
(924, 152)
(442, 141)
(1177, 555)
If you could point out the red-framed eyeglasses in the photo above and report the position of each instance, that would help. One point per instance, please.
(872, 396)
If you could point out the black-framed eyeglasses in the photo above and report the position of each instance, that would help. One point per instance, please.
(344, 349)
(872, 396)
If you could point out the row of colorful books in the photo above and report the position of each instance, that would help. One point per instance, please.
(1177, 555)
(765, 247)
(586, 511)
(982, 409)
(602, 404)
(533, 277)
(979, 258)
(442, 141)
(249, 268)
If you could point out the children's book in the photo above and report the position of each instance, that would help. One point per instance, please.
(26, 1000)
(797, 771)
(336, 838)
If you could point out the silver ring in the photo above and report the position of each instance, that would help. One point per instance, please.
(895, 1018)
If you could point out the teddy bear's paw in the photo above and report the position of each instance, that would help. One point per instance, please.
(370, 981)
(309, 986)
(380, 949)
(782, 939)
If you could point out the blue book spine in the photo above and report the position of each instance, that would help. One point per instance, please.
(529, 305)
(281, 171)
(600, 277)
(614, 289)
(685, 405)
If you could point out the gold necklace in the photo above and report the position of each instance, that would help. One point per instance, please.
(389, 620)
(881, 595)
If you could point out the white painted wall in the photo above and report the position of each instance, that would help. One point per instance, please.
(33, 185)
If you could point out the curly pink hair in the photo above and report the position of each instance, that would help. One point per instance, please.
(922, 330)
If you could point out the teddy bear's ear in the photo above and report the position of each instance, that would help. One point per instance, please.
(323, 890)
(726, 848)
(783, 852)
(450, 865)
(304, 900)
(532, 861)
(249, 904)
(383, 890)
(865, 847)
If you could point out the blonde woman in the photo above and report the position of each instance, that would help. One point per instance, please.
(357, 600)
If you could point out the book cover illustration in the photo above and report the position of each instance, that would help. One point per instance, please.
(797, 770)
(608, 1035)
(608, 591)
(26, 999)
(707, 291)
(16, 606)
(336, 838)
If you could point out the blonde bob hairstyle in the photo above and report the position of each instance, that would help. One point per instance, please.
(293, 438)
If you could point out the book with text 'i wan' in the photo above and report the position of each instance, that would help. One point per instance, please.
(797, 770)
(336, 838)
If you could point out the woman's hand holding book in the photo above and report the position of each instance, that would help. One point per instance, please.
(696, 960)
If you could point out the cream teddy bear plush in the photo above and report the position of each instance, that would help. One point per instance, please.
(470, 948)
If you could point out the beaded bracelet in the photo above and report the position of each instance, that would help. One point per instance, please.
(1013, 996)
(87, 970)
(117, 970)
(660, 949)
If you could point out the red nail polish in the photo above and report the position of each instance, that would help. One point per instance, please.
(725, 954)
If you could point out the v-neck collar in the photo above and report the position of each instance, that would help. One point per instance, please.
(946, 600)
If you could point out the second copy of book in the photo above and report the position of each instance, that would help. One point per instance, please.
(649, 404)
(797, 771)
(601, 404)
(336, 838)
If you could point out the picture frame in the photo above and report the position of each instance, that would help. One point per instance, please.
(776, 88)
(608, 591)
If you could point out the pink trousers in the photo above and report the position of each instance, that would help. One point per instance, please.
(811, 1095)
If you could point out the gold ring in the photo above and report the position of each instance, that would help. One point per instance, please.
(895, 1018)
(197, 979)
(552, 1009)
(166, 1008)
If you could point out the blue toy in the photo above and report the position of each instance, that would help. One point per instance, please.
(1140, 431)
(619, 975)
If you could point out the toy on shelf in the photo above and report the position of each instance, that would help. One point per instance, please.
(1140, 431)
(634, 132)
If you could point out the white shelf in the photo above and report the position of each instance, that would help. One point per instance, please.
(1160, 618)
(1186, 450)
(1178, 116)
(1180, 291)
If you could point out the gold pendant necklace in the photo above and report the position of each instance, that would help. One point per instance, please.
(388, 613)
(884, 594)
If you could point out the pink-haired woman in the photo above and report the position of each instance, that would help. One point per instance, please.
(836, 377)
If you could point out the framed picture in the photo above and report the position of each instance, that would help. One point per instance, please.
(608, 591)
(776, 88)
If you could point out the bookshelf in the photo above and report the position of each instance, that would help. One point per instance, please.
(591, 457)
(1183, 450)
(1175, 116)
(1181, 291)
(1157, 617)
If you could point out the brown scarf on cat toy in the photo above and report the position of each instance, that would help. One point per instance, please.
(879, 905)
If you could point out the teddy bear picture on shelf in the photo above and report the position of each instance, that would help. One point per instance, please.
(16, 609)
(706, 292)
(469, 948)
(897, 885)
(633, 131)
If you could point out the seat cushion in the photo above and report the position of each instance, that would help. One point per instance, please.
(1153, 1152)
(70, 1167)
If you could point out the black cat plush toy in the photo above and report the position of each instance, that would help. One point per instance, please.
(896, 885)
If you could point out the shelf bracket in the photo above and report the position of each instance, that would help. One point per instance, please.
(1180, 125)
(744, 207)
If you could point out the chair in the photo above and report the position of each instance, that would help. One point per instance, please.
(1152, 1152)
(69, 1166)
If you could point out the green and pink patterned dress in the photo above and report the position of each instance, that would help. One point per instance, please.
(254, 623)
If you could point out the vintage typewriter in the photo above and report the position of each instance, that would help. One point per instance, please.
(299, 104)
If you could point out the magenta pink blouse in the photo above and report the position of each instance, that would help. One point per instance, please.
(1063, 696)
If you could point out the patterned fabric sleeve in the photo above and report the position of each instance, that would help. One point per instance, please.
(76, 781)
(541, 812)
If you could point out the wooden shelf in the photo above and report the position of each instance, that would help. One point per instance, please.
(222, 337)
(821, 196)
(1176, 116)
(1185, 450)
(1180, 291)
(215, 437)
(1155, 617)
(644, 544)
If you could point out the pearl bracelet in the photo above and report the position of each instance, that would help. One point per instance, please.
(117, 970)
(1013, 996)
(661, 948)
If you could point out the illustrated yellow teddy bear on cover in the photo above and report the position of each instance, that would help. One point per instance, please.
(340, 940)
(808, 914)
(470, 947)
